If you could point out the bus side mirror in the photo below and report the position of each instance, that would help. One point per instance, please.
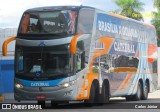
(5, 45)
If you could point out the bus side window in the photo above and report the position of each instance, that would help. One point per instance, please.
(78, 66)
(80, 56)
(20, 63)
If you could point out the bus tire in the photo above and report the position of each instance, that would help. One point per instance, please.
(42, 103)
(145, 91)
(104, 96)
(54, 104)
(138, 94)
(91, 100)
(129, 98)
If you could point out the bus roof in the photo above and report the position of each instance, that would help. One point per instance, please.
(130, 19)
(51, 8)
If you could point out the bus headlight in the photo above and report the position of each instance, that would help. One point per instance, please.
(18, 86)
(67, 84)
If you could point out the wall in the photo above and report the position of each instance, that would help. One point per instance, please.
(6, 33)
(7, 62)
(6, 74)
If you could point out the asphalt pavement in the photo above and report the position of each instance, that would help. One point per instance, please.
(117, 104)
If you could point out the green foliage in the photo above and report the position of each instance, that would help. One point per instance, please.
(156, 19)
(156, 22)
(130, 8)
(157, 4)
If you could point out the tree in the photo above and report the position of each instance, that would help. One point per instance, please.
(156, 22)
(130, 8)
(156, 19)
(157, 4)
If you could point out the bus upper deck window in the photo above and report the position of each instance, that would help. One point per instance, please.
(49, 22)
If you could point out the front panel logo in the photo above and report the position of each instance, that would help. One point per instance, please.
(42, 43)
(36, 84)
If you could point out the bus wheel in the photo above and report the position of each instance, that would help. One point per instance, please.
(145, 92)
(42, 103)
(54, 104)
(138, 95)
(104, 96)
(129, 98)
(91, 99)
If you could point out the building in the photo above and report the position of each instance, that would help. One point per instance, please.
(6, 33)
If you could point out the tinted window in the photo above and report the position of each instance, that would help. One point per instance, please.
(80, 56)
(55, 22)
(43, 62)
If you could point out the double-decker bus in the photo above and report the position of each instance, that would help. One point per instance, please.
(80, 53)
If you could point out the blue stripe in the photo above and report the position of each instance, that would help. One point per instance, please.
(49, 83)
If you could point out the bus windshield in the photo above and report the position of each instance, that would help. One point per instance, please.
(47, 22)
(43, 62)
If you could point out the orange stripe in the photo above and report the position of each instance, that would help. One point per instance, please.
(125, 69)
(126, 81)
(107, 43)
(73, 43)
(151, 51)
(91, 75)
(151, 26)
(118, 16)
(4, 47)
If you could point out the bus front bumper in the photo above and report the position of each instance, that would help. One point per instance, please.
(64, 94)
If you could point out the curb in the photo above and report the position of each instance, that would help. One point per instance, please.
(1, 98)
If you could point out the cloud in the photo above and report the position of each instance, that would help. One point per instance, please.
(12, 10)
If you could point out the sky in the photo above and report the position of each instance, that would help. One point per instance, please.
(12, 10)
